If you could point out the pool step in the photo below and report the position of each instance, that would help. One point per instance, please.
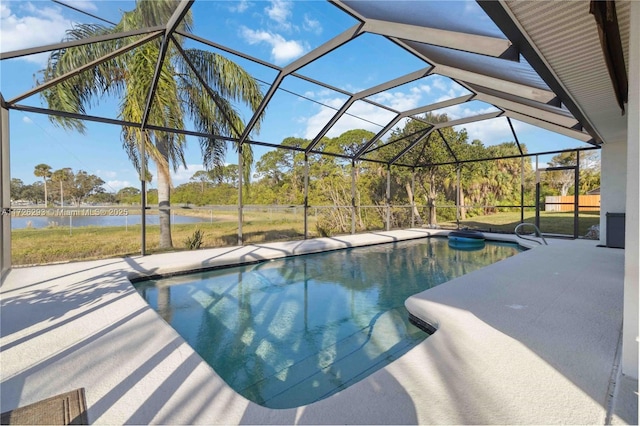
(338, 365)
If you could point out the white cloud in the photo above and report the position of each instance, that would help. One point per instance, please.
(116, 185)
(282, 50)
(403, 101)
(183, 175)
(462, 110)
(280, 11)
(488, 131)
(242, 6)
(39, 26)
(440, 84)
(27, 120)
(311, 25)
(108, 174)
(359, 112)
(449, 89)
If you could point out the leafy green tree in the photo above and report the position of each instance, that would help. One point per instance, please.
(201, 177)
(83, 185)
(283, 171)
(179, 94)
(152, 196)
(589, 171)
(33, 193)
(102, 198)
(128, 195)
(62, 176)
(16, 186)
(351, 141)
(426, 154)
(44, 171)
(561, 180)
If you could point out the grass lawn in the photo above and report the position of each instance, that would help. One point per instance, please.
(550, 222)
(46, 245)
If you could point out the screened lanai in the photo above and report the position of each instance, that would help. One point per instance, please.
(360, 102)
(478, 76)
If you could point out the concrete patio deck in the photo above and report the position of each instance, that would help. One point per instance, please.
(531, 339)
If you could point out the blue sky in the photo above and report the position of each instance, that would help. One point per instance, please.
(275, 31)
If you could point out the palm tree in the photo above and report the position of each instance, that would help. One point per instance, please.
(179, 94)
(44, 171)
(62, 176)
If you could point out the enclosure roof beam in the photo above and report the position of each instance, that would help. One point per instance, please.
(395, 141)
(499, 13)
(377, 137)
(178, 15)
(448, 146)
(380, 147)
(483, 45)
(330, 124)
(572, 133)
(84, 67)
(407, 78)
(507, 157)
(518, 89)
(506, 101)
(439, 105)
(73, 43)
(466, 120)
(204, 84)
(327, 47)
(176, 18)
(344, 92)
(426, 134)
(416, 75)
(227, 49)
(409, 113)
(515, 136)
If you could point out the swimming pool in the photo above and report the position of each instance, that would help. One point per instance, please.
(288, 332)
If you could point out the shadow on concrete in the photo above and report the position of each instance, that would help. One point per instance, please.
(347, 407)
(563, 304)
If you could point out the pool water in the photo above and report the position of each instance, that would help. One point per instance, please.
(288, 332)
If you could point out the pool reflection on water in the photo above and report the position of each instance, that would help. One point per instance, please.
(288, 332)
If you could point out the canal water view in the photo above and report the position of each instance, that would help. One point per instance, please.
(101, 216)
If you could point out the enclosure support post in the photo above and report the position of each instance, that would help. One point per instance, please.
(306, 196)
(521, 189)
(576, 196)
(5, 195)
(413, 198)
(458, 196)
(240, 183)
(537, 194)
(353, 197)
(388, 198)
(143, 200)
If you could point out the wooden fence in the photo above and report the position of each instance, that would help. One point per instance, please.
(586, 203)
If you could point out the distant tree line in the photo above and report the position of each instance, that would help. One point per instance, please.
(60, 187)
(278, 179)
(484, 185)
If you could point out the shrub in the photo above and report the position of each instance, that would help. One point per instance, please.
(195, 241)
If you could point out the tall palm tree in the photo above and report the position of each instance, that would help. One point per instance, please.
(179, 94)
(62, 176)
(44, 171)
